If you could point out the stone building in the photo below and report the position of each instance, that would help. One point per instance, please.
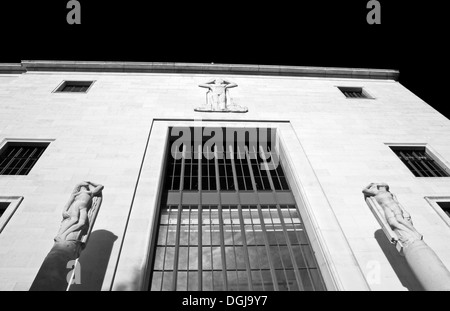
(212, 223)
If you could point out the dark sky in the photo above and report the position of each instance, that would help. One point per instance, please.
(411, 37)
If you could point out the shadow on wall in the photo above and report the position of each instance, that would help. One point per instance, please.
(94, 261)
(398, 263)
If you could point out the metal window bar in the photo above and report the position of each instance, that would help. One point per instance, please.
(420, 163)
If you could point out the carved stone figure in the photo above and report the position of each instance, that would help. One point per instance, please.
(76, 213)
(218, 98)
(396, 216)
(396, 222)
(79, 215)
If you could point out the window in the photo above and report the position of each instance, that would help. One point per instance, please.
(3, 207)
(18, 158)
(420, 161)
(354, 92)
(8, 206)
(74, 86)
(442, 207)
(208, 239)
(445, 207)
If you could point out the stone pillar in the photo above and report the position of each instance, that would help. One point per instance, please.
(53, 274)
(397, 224)
(429, 270)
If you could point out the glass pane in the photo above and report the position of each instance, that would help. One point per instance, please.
(268, 282)
(193, 258)
(159, 258)
(232, 281)
(219, 284)
(184, 235)
(317, 279)
(168, 263)
(183, 258)
(253, 257)
(306, 281)
(230, 258)
(206, 258)
(217, 258)
(167, 281)
(257, 281)
(298, 257)
(243, 281)
(193, 281)
(291, 280)
(240, 258)
(182, 281)
(162, 234)
(281, 279)
(156, 281)
(207, 281)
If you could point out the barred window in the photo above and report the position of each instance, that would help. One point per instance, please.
(354, 92)
(420, 161)
(74, 86)
(19, 158)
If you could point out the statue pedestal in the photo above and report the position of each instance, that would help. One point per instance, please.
(52, 275)
(427, 267)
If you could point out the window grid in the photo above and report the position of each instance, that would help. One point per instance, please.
(19, 159)
(281, 248)
(419, 162)
(231, 247)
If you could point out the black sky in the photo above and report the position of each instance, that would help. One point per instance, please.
(411, 38)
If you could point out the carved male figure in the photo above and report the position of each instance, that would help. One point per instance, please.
(218, 92)
(75, 213)
(396, 216)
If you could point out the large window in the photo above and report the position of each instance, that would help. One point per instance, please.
(420, 161)
(229, 224)
(18, 158)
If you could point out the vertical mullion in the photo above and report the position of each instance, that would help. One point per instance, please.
(177, 237)
(221, 224)
(199, 220)
(297, 273)
(291, 251)
(263, 228)
(244, 235)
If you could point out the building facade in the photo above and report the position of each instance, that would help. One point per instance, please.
(197, 218)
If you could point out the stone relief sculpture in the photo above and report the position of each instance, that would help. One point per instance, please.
(218, 98)
(398, 219)
(397, 224)
(78, 215)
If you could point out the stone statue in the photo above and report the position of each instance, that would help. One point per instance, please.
(76, 213)
(396, 223)
(396, 216)
(218, 98)
(79, 215)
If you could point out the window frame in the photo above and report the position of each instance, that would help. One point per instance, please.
(14, 202)
(355, 89)
(430, 151)
(4, 143)
(63, 84)
(433, 201)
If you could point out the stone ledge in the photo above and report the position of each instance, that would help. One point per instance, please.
(203, 68)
